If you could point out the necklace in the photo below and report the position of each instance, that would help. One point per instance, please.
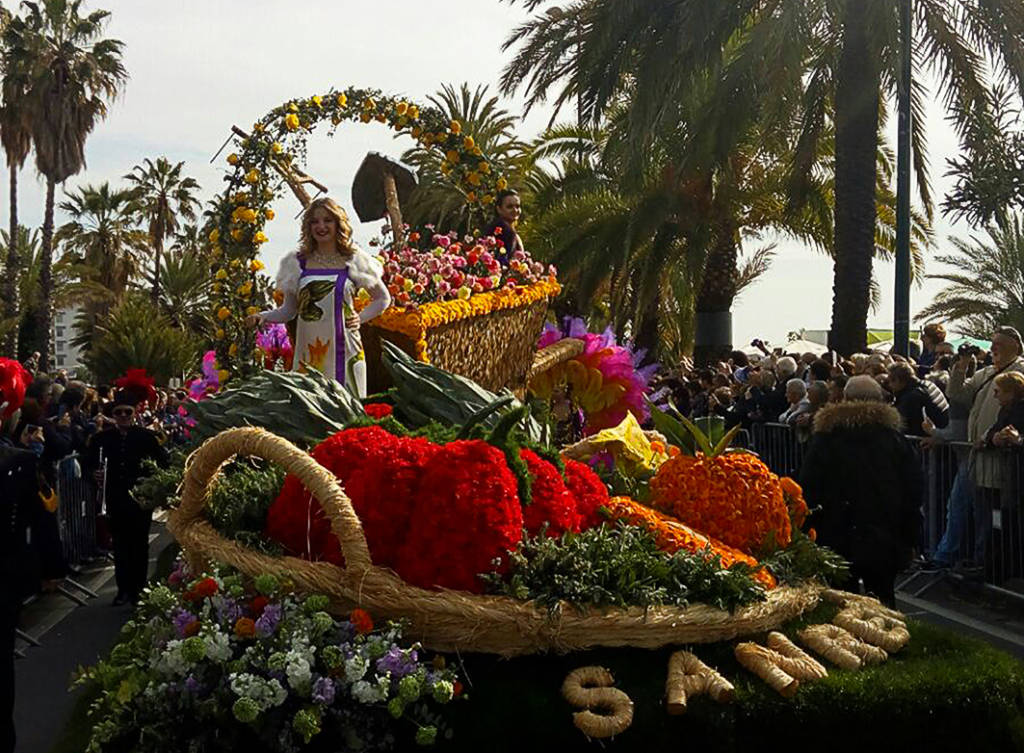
(328, 259)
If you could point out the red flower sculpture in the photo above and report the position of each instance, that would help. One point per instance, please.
(465, 514)
(377, 410)
(589, 491)
(552, 503)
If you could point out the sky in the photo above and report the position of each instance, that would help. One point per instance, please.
(199, 66)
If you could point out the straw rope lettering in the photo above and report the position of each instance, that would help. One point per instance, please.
(689, 677)
(591, 688)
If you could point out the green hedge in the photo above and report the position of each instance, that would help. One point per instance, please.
(943, 692)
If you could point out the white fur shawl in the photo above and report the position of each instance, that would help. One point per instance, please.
(364, 270)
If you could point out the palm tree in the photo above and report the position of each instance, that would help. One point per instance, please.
(813, 62)
(186, 288)
(16, 140)
(26, 272)
(986, 290)
(105, 248)
(69, 74)
(438, 201)
(161, 196)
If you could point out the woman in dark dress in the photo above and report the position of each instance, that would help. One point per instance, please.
(507, 208)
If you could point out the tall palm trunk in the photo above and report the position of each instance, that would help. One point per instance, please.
(13, 265)
(158, 253)
(713, 336)
(45, 310)
(858, 82)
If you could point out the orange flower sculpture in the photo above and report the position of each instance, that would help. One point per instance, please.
(673, 536)
(730, 496)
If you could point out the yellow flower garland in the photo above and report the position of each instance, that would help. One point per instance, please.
(415, 323)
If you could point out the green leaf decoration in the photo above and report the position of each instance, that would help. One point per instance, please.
(309, 296)
(700, 437)
(674, 431)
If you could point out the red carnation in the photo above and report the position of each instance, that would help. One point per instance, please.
(465, 513)
(589, 491)
(552, 503)
(296, 520)
(383, 491)
(377, 410)
(258, 604)
(206, 587)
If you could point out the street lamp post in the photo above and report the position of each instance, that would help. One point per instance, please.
(901, 325)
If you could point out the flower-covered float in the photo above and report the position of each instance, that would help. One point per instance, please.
(483, 542)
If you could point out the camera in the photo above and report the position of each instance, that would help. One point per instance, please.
(967, 349)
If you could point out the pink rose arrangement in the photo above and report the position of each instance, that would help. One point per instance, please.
(431, 267)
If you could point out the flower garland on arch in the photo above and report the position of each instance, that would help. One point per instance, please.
(279, 137)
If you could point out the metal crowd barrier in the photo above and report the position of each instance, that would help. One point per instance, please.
(973, 519)
(77, 512)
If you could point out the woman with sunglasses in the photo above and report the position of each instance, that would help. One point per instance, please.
(116, 456)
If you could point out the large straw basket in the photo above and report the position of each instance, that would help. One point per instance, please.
(491, 338)
(442, 620)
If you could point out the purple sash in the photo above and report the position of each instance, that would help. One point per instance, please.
(339, 314)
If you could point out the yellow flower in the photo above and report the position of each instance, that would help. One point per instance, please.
(471, 196)
(252, 176)
(292, 107)
(407, 284)
(488, 198)
(291, 121)
(249, 215)
(342, 100)
(237, 233)
(414, 112)
(233, 350)
(402, 108)
(259, 238)
(468, 143)
(484, 168)
(216, 287)
(257, 127)
(502, 184)
(456, 127)
(223, 313)
(445, 167)
(379, 117)
(416, 131)
(369, 105)
(252, 311)
(316, 100)
(478, 151)
(236, 263)
(452, 155)
(241, 197)
(214, 235)
(219, 334)
(276, 148)
(215, 250)
(365, 117)
(428, 139)
(232, 159)
(223, 375)
(474, 179)
(268, 213)
(221, 274)
(244, 290)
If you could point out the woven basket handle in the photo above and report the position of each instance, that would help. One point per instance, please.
(205, 463)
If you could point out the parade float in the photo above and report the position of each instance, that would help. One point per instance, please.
(434, 567)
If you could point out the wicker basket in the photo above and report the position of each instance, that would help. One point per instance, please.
(495, 349)
(442, 620)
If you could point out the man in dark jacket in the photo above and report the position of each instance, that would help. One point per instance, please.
(914, 398)
(116, 456)
(864, 475)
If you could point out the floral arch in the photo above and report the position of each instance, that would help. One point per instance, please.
(263, 159)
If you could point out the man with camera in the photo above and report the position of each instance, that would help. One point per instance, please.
(987, 466)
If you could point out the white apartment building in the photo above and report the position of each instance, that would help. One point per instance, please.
(66, 356)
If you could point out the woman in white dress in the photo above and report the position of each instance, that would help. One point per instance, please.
(320, 281)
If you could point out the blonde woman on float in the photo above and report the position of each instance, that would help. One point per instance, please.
(320, 280)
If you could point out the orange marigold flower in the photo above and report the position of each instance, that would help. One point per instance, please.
(245, 627)
(361, 620)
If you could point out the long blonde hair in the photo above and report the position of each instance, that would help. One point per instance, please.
(343, 241)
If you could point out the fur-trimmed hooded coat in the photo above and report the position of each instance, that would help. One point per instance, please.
(867, 479)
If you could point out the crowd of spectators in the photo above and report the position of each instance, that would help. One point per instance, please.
(967, 405)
